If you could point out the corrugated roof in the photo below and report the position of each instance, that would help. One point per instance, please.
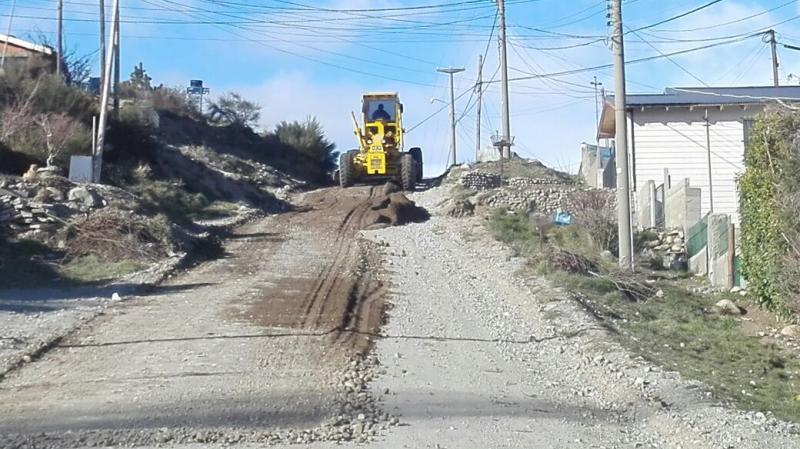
(687, 96)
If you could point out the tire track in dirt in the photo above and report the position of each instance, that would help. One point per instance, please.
(344, 296)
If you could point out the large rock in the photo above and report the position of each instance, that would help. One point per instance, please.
(792, 330)
(84, 197)
(728, 308)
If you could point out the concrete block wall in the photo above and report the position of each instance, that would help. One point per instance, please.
(682, 208)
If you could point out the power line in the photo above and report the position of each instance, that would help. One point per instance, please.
(684, 69)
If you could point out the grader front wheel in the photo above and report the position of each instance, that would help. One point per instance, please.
(346, 169)
(408, 172)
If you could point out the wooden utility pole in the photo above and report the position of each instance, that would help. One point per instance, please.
(59, 37)
(101, 129)
(115, 33)
(621, 139)
(479, 87)
(504, 107)
(102, 39)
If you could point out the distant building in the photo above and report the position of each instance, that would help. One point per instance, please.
(19, 52)
(670, 132)
(598, 167)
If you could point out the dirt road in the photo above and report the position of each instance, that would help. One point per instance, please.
(470, 356)
(247, 344)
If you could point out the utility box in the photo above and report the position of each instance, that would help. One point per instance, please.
(80, 169)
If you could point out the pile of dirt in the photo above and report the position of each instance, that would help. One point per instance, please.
(392, 208)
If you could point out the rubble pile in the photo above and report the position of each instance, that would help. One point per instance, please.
(668, 242)
(37, 208)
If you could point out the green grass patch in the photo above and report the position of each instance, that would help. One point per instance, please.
(681, 332)
(91, 269)
(460, 193)
(215, 210)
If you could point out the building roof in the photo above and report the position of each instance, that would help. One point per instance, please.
(44, 49)
(702, 96)
(698, 97)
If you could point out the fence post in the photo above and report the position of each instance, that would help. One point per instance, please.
(731, 256)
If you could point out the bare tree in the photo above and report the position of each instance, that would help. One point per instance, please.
(58, 130)
(17, 115)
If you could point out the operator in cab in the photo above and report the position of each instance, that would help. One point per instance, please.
(381, 114)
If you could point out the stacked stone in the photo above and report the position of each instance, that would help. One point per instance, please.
(23, 216)
(534, 183)
(669, 242)
(478, 180)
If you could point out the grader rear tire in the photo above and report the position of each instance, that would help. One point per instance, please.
(408, 172)
(416, 152)
(346, 169)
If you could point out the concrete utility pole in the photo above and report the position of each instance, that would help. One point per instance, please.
(504, 107)
(621, 139)
(101, 129)
(596, 83)
(115, 34)
(59, 37)
(479, 87)
(452, 71)
(773, 46)
(102, 39)
(710, 177)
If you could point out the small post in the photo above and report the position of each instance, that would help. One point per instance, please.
(731, 256)
(94, 135)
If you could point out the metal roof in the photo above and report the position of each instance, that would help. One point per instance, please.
(27, 45)
(688, 96)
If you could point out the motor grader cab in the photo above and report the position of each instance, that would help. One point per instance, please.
(380, 154)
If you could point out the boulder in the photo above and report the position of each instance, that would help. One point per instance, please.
(84, 197)
(793, 330)
(56, 194)
(728, 308)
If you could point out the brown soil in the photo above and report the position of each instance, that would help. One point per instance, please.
(336, 288)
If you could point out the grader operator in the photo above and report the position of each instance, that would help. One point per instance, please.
(380, 155)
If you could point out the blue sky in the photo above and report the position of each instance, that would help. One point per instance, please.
(304, 57)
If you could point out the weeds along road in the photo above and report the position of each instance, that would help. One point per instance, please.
(470, 355)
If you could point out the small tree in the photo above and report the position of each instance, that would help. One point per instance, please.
(232, 109)
(58, 130)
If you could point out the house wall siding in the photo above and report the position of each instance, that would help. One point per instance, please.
(676, 139)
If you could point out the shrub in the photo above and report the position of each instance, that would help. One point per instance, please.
(770, 226)
(594, 211)
(232, 109)
(173, 101)
(308, 139)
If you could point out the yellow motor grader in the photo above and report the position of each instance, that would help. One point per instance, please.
(380, 155)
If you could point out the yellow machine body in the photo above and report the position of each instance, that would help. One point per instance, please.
(381, 140)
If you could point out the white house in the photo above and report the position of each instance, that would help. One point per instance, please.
(697, 133)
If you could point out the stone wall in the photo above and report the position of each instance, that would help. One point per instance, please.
(538, 195)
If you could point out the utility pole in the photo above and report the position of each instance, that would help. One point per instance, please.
(115, 34)
(621, 139)
(595, 83)
(102, 39)
(101, 129)
(708, 151)
(479, 87)
(773, 46)
(451, 71)
(59, 37)
(505, 146)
